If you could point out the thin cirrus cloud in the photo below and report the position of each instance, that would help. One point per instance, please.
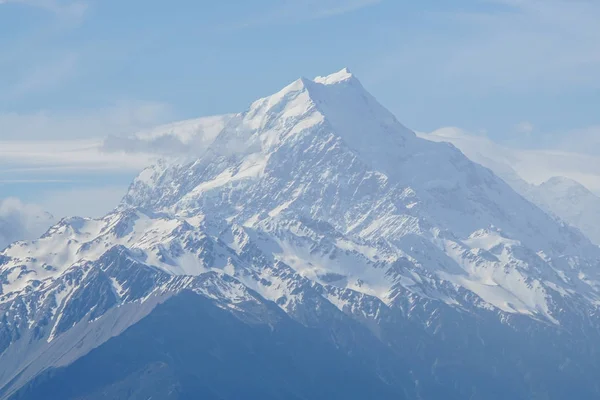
(13, 181)
(325, 9)
(67, 9)
(69, 177)
(53, 143)
(525, 127)
(44, 77)
(122, 118)
(509, 45)
(64, 156)
(31, 64)
(301, 10)
(548, 42)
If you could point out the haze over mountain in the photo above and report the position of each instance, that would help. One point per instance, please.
(20, 221)
(526, 172)
(314, 248)
(572, 202)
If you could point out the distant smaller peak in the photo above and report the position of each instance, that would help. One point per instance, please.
(562, 181)
(343, 75)
(567, 185)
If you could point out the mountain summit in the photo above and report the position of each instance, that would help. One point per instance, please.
(315, 212)
(336, 103)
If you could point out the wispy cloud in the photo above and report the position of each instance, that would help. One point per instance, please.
(294, 11)
(33, 181)
(73, 10)
(51, 145)
(31, 60)
(70, 177)
(503, 45)
(44, 77)
(551, 42)
(64, 157)
(323, 9)
(125, 117)
(525, 127)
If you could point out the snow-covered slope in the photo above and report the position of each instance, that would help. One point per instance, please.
(326, 152)
(315, 198)
(562, 197)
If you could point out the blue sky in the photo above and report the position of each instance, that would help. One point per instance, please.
(523, 72)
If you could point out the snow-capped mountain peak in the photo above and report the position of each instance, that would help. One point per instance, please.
(338, 101)
(318, 200)
(342, 75)
(324, 154)
(566, 185)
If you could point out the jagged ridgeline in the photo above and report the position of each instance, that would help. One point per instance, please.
(314, 249)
